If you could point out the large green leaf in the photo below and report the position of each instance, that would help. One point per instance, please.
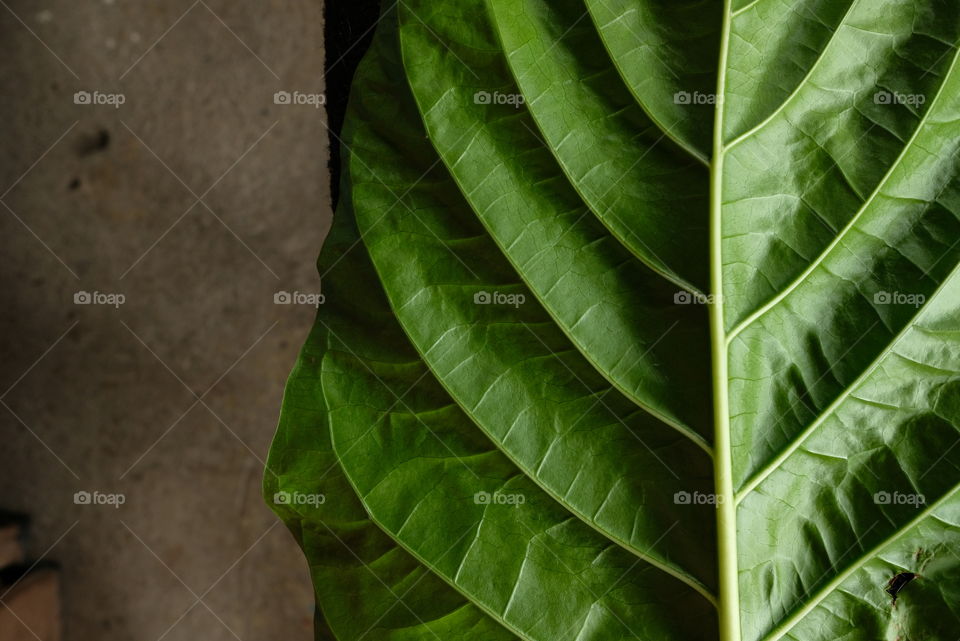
(642, 321)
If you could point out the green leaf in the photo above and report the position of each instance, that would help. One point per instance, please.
(368, 585)
(642, 321)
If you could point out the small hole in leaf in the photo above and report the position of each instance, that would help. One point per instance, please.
(898, 583)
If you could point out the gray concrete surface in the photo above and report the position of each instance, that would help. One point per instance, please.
(98, 398)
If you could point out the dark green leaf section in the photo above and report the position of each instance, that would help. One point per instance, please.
(367, 587)
(667, 54)
(774, 46)
(509, 366)
(653, 196)
(350, 558)
(880, 269)
(794, 182)
(878, 464)
(620, 315)
(431, 480)
(841, 262)
(926, 608)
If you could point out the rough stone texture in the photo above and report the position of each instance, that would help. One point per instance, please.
(105, 199)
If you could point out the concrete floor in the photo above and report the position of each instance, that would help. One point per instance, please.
(98, 398)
